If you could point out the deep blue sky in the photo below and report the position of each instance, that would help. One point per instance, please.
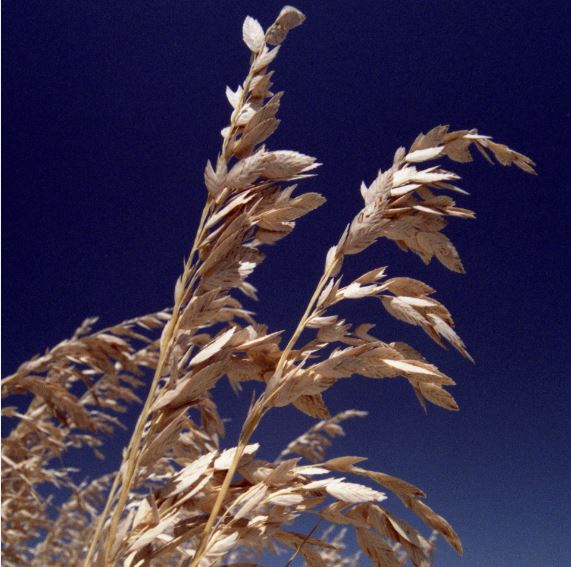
(110, 110)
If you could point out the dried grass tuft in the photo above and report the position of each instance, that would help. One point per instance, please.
(179, 496)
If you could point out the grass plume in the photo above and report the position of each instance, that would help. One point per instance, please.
(180, 497)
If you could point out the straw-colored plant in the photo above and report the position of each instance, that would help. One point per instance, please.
(180, 497)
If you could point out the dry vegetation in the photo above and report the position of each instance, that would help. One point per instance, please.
(180, 497)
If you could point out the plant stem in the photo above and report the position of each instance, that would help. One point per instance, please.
(131, 457)
(259, 409)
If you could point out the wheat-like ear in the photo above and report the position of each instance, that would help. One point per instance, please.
(400, 205)
(78, 390)
(314, 442)
(179, 498)
(64, 543)
(247, 207)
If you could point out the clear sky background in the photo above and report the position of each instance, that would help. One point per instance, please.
(110, 111)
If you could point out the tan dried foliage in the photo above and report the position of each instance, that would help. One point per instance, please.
(104, 369)
(179, 498)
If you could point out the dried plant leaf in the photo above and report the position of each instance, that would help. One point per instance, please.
(353, 493)
(313, 405)
(213, 348)
(288, 19)
(253, 34)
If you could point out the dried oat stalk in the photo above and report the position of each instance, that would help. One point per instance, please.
(249, 205)
(180, 497)
(77, 390)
